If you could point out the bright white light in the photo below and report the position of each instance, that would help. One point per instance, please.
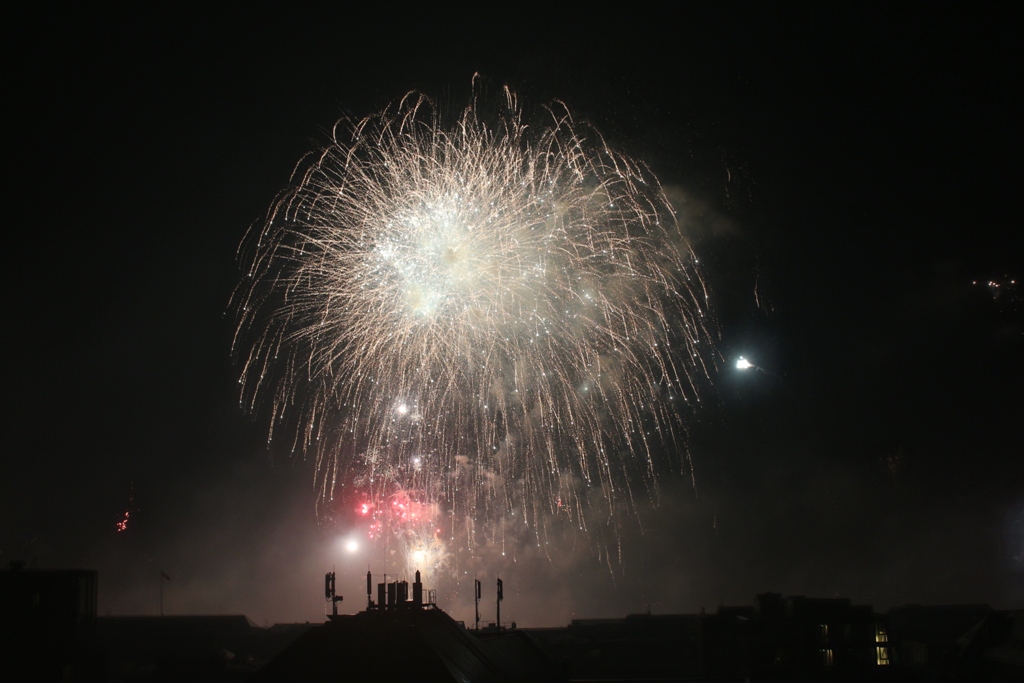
(743, 364)
(352, 545)
(403, 409)
(418, 556)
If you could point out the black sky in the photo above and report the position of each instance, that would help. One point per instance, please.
(846, 174)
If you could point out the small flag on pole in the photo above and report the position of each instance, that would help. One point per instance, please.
(164, 576)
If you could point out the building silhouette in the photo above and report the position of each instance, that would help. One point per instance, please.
(49, 631)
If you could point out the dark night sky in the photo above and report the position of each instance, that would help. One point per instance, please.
(857, 170)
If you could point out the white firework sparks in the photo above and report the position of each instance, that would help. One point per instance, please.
(507, 317)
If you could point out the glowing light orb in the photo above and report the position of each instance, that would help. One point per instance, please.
(743, 364)
(352, 545)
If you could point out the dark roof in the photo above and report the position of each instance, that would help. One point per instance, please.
(998, 640)
(153, 639)
(520, 658)
(421, 645)
(934, 623)
(179, 624)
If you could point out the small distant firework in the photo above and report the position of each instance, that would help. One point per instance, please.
(123, 524)
(504, 317)
(1004, 291)
(410, 522)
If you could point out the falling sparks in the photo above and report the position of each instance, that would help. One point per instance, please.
(504, 317)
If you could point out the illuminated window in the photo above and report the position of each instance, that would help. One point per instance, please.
(826, 656)
(882, 655)
(823, 632)
(880, 634)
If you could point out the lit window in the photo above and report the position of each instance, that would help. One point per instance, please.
(882, 655)
(826, 656)
(880, 634)
(823, 632)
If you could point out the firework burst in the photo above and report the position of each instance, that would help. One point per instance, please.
(504, 316)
